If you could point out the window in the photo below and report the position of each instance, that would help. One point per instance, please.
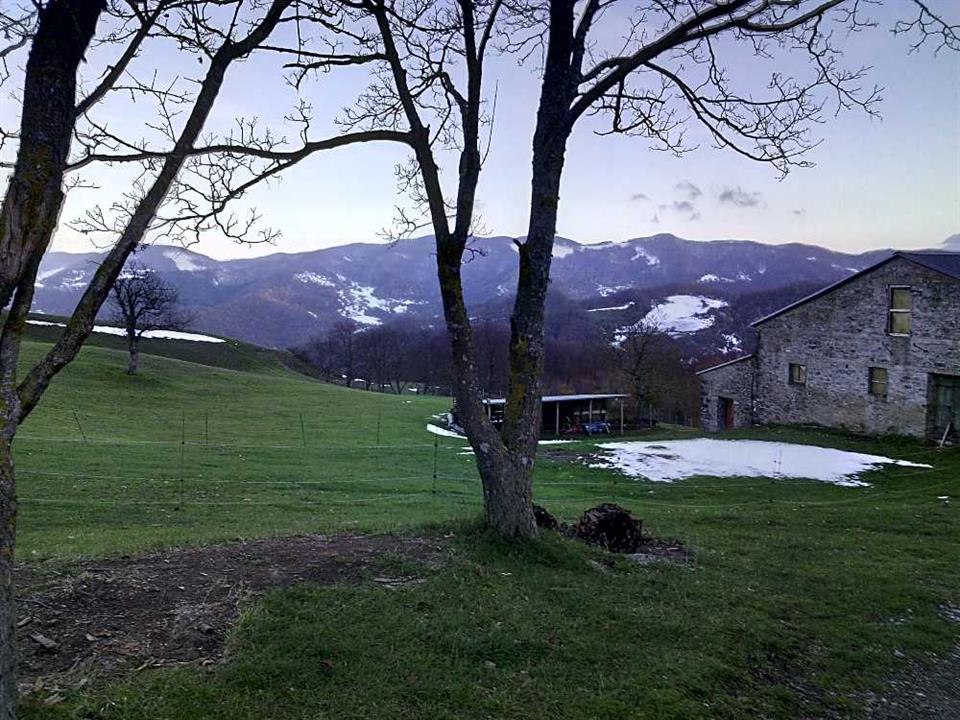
(798, 374)
(878, 381)
(898, 315)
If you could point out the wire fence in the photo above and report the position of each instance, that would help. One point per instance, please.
(306, 460)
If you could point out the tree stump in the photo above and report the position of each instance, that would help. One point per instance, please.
(610, 526)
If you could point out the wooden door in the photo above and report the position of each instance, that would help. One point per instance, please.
(727, 416)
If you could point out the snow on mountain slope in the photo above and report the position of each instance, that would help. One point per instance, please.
(683, 313)
(283, 299)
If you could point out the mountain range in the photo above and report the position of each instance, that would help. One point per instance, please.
(703, 292)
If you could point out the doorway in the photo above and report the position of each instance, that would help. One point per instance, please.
(943, 411)
(726, 414)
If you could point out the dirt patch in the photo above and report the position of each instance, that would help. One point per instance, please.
(923, 691)
(88, 620)
(654, 550)
(560, 455)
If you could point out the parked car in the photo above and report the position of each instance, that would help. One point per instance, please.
(597, 427)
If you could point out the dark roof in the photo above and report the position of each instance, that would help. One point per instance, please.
(724, 364)
(947, 263)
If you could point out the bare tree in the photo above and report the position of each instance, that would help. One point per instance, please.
(647, 360)
(380, 355)
(343, 345)
(219, 33)
(27, 219)
(666, 76)
(318, 353)
(143, 301)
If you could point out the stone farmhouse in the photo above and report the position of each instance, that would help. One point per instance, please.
(877, 352)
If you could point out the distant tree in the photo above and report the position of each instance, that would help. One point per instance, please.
(381, 354)
(318, 352)
(144, 301)
(634, 350)
(649, 364)
(341, 343)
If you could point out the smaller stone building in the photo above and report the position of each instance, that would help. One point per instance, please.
(877, 352)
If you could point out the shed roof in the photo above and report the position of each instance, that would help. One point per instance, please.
(562, 398)
(947, 263)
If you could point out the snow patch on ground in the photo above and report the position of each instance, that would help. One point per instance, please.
(49, 273)
(314, 279)
(731, 343)
(183, 261)
(561, 251)
(443, 432)
(670, 460)
(605, 290)
(74, 279)
(640, 253)
(683, 313)
(613, 307)
(356, 302)
(149, 334)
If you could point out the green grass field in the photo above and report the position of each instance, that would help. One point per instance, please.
(803, 595)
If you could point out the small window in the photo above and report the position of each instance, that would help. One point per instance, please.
(901, 303)
(878, 381)
(798, 374)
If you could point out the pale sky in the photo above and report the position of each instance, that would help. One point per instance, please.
(893, 182)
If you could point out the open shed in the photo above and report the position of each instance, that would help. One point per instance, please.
(564, 413)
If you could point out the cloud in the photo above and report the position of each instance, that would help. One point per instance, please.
(800, 211)
(689, 189)
(655, 219)
(740, 197)
(695, 216)
(639, 196)
(684, 206)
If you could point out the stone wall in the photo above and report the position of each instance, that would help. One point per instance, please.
(842, 334)
(732, 380)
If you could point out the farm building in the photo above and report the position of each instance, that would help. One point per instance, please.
(877, 352)
(566, 413)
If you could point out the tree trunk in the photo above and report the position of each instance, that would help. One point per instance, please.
(31, 206)
(133, 340)
(508, 501)
(507, 484)
(513, 505)
(8, 533)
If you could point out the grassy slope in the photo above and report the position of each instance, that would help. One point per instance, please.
(231, 354)
(801, 594)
